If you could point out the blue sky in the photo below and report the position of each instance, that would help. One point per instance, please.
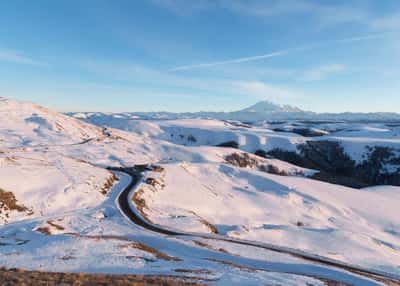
(180, 55)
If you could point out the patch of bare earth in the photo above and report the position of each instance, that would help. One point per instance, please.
(208, 246)
(14, 277)
(242, 160)
(158, 254)
(212, 228)
(55, 225)
(140, 204)
(44, 230)
(135, 244)
(193, 271)
(108, 184)
(50, 228)
(245, 160)
(9, 203)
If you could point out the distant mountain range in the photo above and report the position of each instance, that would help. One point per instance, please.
(261, 111)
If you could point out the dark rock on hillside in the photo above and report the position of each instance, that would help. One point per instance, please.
(328, 156)
(306, 132)
(381, 165)
(229, 144)
(374, 168)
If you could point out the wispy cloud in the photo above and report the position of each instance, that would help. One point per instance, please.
(322, 72)
(324, 13)
(277, 53)
(17, 57)
(164, 83)
(227, 62)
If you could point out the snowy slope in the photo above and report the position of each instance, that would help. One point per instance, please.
(24, 124)
(358, 226)
(59, 212)
(354, 137)
(47, 183)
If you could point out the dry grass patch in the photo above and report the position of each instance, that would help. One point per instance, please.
(14, 277)
(245, 160)
(50, 229)
(44, 230)
(158, 254)
(140, 203)
(208, 246)
(194, 271)
(135, 244)
(154, 182)
(108, 184)
(272, 169)
(9, 203)
(242, 160)
(57, 226)
(209, 225)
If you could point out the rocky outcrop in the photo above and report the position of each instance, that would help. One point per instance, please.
(381, 165)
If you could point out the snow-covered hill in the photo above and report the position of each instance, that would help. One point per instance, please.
(358, 226)
(27, 124)
(37, 184)
(58, 208)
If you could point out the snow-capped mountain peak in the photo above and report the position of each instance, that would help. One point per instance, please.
(267, 106)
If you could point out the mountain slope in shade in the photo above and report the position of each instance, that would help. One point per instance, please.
(27, 124)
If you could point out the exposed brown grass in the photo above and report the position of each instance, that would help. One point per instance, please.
(44, 230)
(272, 169)
(57, 226)
(9, 202)
(208, 246)
(153, 182)
(140, 203)
(245, 160)
(157, 168)
(14, 277)
(158, 254)
(193, 271)
(135, 244)
(209, 225)
(47, 230)
(108, 184)
(242, 160)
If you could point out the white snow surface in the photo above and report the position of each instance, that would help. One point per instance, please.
(354, 226)
(54, 165)
(26, 124)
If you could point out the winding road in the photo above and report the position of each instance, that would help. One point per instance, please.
(125, 197)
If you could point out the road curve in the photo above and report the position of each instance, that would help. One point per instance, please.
(136, 175)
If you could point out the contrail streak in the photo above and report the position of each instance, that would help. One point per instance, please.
(233, 61)
(276, 54)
